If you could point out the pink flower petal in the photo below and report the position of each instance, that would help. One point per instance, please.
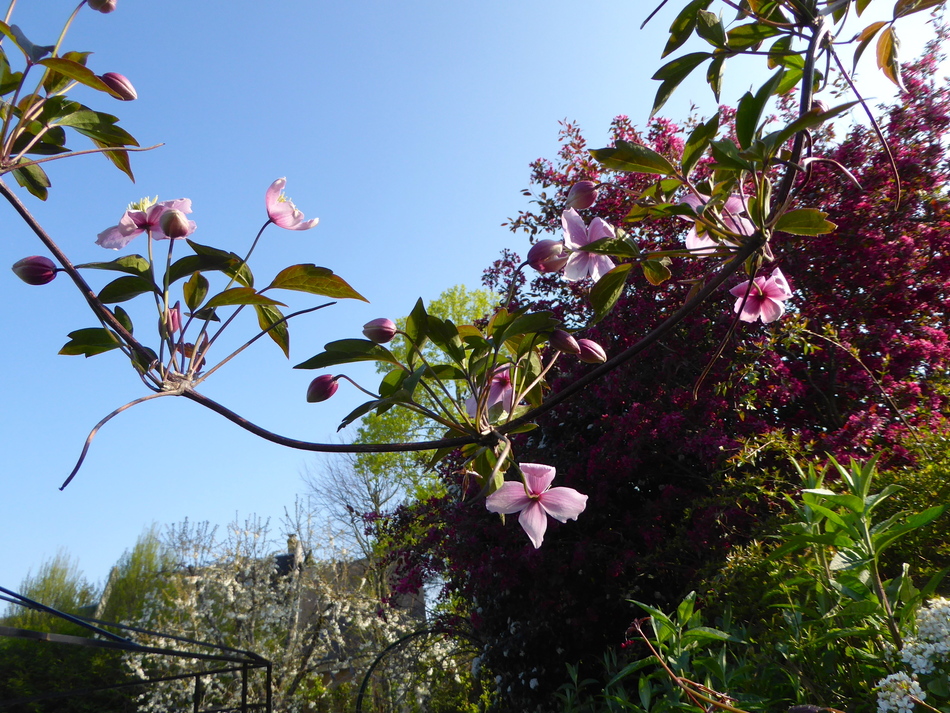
(535, 523)
(575, 232)
(771, 310)
(563, 504)
(538, 476)
(509, 498)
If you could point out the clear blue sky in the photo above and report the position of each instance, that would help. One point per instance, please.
(407, 128)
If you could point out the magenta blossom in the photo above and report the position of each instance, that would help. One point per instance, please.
(547, 256)
(282, 211)
(703, 244)
(583, 194)
(535, 499)
(764, 299)
(577, 235)
(500, 391)
(35, 270)
(138, 221)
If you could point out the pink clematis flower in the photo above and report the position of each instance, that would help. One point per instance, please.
(577, 235)
(136, 222)
(765, 298)
(535, 499)
(500, 391)
(282, 211)
(731, 214)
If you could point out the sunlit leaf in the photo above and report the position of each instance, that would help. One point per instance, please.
(126, 288)
(626, 156)
(673, 73)
(315, 280)
(195, 290)
(89, 342)
(130, 264)
(241, 296)
(607, 290)
(698, 142)
(272, 321)
(805, 221)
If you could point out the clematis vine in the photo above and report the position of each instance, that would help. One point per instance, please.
(500, 391)
(535, 499)
(282, 211)
(144, 217)
(764, 299)
(577, 235)
(702, 243)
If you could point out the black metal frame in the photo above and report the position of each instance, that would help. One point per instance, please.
(238, 660)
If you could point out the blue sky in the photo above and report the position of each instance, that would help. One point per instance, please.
(406, 127)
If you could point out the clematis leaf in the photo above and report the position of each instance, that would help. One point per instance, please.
(119, 159)
(131, 264)
(89, 342)
(699, 140)
(864, 39)
(672, 74)
(195, 290)
(619, 246)
(751, 106)
(240, 296)
(748, 36)
(683, 25)
(805, 221)
(627, 156)
(417, 327)
(315, 280)
(123, 318)
(272, 321)
(656, 271)
(607, 290)
(709, 27)
(714, 74)
(445, 335)
(726, 154)
(34, 179)
(32, 52)
(888, 47)
(346, 351)
(125, 288)
(232, 265)
(74, 70)
(527, 324)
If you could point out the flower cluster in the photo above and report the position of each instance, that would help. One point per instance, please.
(897, 693)
(931, 647)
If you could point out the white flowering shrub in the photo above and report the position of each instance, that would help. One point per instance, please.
(319, 624)
(926, 653)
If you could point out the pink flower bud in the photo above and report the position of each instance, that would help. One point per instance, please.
(35, 270)
(564, 342)
(117, 82)
(175, 225)
(380, 330)
(591, 352)
(173, 322)
(583, 194)
(322, 388)
(104, 6)
(547, 256)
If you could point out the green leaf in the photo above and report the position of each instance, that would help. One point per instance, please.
(887, 53)
(903, 8)
(607, 290)
(130, 264)
(528, 324)
(231, 264)
(672, 74)
(714, 75)
(709, 27)
(745, 37)
(74, 70)
(683, 25)
(626, 156)
(445, 335)
(119, 159)
(617, 246)
(272, 321)
(32, 52)
(126, 288)
(89, 342)
(726, 154)
(241, 296)
(417, 325)
(346, 351)
(813, 118)
(751, 106)
(656, 271)
(34, 179)
(805, 221)
(195, 290)
(698, 142)
(864, 39)
(315, 280)
(707, 633)
(123, 318)
(361, 410)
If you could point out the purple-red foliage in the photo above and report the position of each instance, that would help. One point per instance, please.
(646, 452)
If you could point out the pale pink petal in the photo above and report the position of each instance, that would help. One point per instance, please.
(741, 289)
(509, 498)
(538, 476)
(600, 265)
(534, 522)
(784, 291)
(694, 202)
(749, 312)
(575, 232)
(599, 229)
(577, 267)
(272, 197)
(700, 244)
(182, 204)
(771, 310)
(116, 237)
(563, 504)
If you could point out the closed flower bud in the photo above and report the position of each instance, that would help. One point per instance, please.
(105, 6)
(174, 224)
(173, 320)
(547, 256)
(591, 352)
(322, 388)
(35, 270)
(380, 330)
(564, 342)
(583, 194)
(118, 83)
